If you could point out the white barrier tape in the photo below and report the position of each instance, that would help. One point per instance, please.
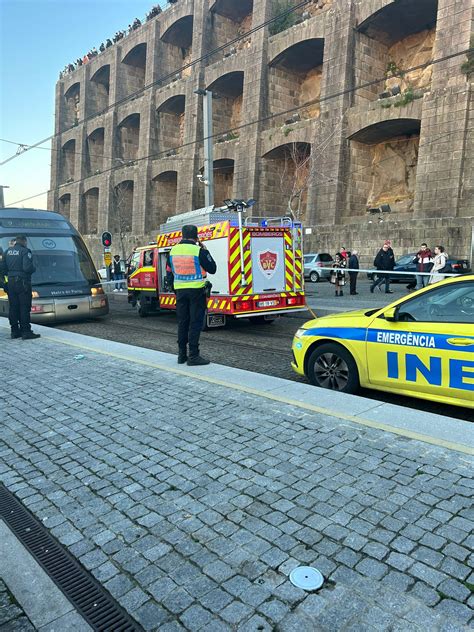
(390, 272)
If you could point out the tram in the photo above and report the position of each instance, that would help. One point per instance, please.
(65, 285)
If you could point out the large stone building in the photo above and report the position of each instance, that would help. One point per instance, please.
(128, 141)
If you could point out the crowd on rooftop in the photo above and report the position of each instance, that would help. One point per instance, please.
(136, 24)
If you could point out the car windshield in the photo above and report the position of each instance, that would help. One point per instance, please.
(308, 258)
(59, 259)
(405, 260)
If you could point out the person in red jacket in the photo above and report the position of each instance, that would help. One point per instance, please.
(424, 263)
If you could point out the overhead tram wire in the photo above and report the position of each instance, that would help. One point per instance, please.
(329, 97)
(169, 75)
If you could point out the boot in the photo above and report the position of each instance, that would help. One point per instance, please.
(197, 360)
(182, 356)
(341, 293)
(29, 335)
(15, 333)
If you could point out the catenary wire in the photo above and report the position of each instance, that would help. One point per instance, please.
(269, 117)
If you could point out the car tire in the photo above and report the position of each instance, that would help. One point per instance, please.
(333, 367)
(314, 277)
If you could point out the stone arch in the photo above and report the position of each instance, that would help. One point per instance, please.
(164, 191)
(285, 178)
(227, 110)
(95, 151)
(128, 138)
(133, 69)
(178, 43)
(89, 212)
(398, 35)
(99, 88)
(121, 214)
(294, 78)
(383, 165)
(170, 123)
(65, 205)
(228, 20)
(223, 180)
(72, 99)
(68, 160)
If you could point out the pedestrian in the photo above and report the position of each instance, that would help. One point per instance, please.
(384, 260)
(353, 265)
(344, 253)
(117, 273)
(337, 275)
(18, 266)
(424, 261)
(190, 262)
(440, 265)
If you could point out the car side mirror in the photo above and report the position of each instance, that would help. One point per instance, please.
(391, 314)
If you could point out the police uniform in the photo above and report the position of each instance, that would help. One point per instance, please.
(189, 265)
(18, 267)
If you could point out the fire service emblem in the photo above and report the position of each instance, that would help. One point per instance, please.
(267, 261)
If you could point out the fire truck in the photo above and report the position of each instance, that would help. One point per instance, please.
(259, 265)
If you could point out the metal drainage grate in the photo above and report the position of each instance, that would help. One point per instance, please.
(89, 597)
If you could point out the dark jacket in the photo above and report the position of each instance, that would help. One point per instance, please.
(353, 263)
(18, 262)
(385, 260)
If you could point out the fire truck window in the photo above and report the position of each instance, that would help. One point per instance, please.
(134, 262)
(148, 258)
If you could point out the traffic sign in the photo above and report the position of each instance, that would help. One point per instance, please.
(107, 258)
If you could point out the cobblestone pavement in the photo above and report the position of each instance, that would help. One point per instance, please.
(12, 616)
(192, 502)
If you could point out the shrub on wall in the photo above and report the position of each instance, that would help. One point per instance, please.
(285, 21)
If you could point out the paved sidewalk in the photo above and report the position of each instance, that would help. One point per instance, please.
(191, 501)
(12, 615)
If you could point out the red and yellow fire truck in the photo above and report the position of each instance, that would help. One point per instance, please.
(259, 265)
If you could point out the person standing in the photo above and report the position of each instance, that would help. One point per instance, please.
(117, 273)
(337, 275)
(190, 262)
(423, 259)
(384, 260)
(440, 262)
(353, 265)
(18, 267)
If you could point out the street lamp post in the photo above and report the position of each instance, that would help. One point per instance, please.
(208, 147)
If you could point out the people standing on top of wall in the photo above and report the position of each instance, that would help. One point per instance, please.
(353, 265)
(384, 261)
(440, 264)
(337, 275)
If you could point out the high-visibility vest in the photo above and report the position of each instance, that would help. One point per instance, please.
(187, 271)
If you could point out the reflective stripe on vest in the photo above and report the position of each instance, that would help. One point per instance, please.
(187, 271)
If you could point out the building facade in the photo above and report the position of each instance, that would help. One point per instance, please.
(311, 111)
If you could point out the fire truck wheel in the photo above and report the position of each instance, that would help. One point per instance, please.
(331, 366)
(142, 308)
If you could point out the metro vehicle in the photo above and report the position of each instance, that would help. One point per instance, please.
(65, 285)
(259, 266)
(421, 346)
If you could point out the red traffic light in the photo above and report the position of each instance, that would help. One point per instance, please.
(106, 239)
(107, 242)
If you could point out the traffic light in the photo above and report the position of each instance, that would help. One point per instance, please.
(106, 239)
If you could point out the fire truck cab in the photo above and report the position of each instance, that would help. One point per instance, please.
(259, 265)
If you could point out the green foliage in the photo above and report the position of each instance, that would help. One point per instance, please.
(392, 69)
(386, 105)
(467, 67)
(287, 131)
(282, 22)
(407, 97)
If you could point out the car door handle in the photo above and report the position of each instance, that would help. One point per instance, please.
(461, 342)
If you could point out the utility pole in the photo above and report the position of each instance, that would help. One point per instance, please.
(2, 199)
(208, 147)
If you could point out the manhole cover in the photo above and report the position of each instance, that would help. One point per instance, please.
(306, 577)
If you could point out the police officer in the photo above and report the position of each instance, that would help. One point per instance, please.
(190, 262)
(18, 267)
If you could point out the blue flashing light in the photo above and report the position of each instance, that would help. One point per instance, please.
(264, 222)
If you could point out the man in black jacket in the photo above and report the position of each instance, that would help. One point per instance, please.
(354, 264)
(18, 267)
(384, 260)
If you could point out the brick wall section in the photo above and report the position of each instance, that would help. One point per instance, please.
(338, 190)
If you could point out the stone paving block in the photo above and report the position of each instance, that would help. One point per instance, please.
(455, 611)
(429, 596)
(429, 575)
(236, 612)
(274, 610)
(372, 568)
(215, 600)
(454, 590)
(177, 601)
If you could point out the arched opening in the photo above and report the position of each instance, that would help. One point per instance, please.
(65, 205)
(227, 110)
(99, 89)
(68, 159)
(170, 123)
(230, 19)
(89, 216)
(383, 164)
(286, 176)
(128, 137)
(295, 77)
(164, 189)
(133, 70)
(223, 180)
(71, 106)
(121, 215)
(399, 36)
(179, 40)
(95, 152)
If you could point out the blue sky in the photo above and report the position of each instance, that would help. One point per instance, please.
(37, 39)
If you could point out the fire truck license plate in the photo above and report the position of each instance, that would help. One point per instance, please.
(215, 320)
(267, 303)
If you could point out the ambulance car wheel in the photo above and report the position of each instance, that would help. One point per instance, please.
(314, 277)
(331, 366)
(142, 308)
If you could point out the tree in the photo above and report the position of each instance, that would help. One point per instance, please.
(122, 212)
(295, 175)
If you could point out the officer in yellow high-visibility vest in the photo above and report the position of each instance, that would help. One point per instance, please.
(190, 261)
